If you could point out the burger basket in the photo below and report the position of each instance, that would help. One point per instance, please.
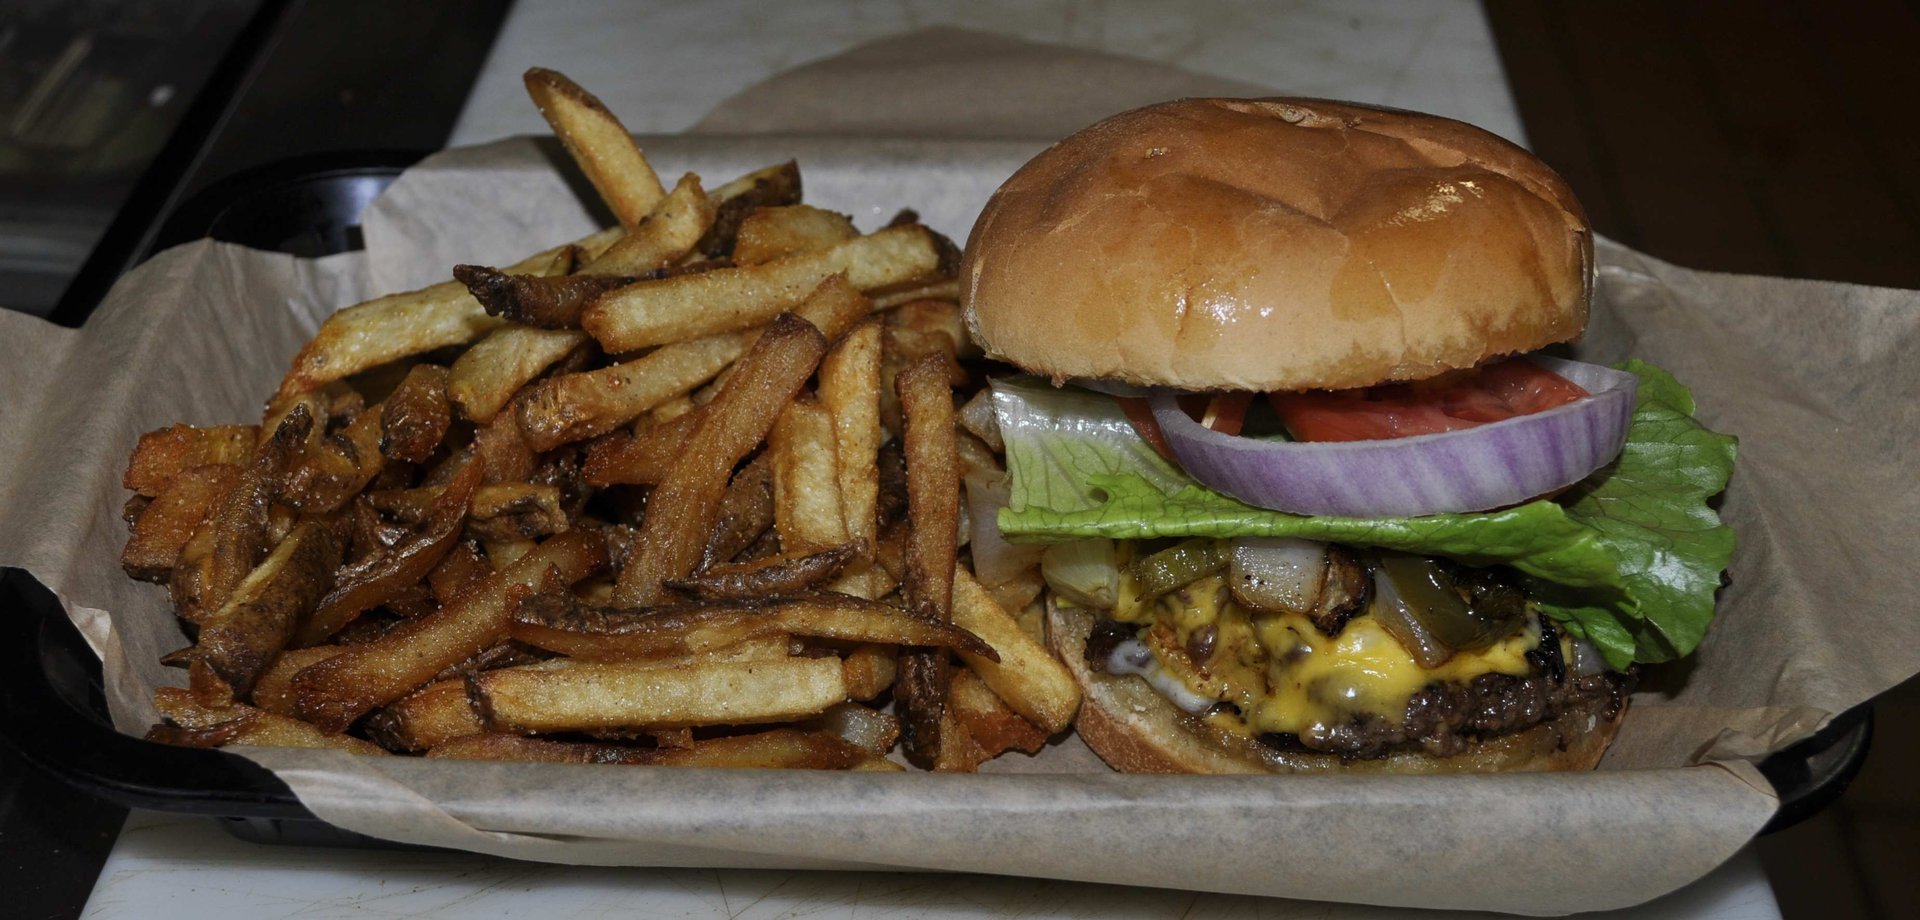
(1688, 803)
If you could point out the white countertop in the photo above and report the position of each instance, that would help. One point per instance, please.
(167, 866)
(661, 66)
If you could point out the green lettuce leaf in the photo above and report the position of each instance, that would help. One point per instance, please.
(1630, 557)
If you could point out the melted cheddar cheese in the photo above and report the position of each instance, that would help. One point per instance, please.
(1282, 674)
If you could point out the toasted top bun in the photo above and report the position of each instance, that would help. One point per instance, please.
(1136, 730)
(1276, 244)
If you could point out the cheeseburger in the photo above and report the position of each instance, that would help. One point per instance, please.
(1308, 494)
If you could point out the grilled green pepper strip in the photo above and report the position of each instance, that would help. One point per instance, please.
(1179, 565)
(1462, 612)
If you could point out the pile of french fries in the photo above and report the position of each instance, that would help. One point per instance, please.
(685, 492)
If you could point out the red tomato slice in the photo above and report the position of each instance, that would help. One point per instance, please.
(1141, 415)
(1528, 387)
(1224, 412)
(1489, 394)
(1227, 412)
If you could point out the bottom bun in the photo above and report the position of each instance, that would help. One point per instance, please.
(1136, 730)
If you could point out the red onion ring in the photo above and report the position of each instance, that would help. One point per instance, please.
(1474, 469)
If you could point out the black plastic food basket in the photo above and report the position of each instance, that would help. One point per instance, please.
(52, 705)
(51, 700)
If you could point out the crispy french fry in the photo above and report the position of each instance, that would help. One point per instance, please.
(850, 391)
(317, 404)
(335, 692)
(273, 692)
(604, 150)
(505, 654)
(165, 525)
(516, 511)
(766, 546)
(869, 729)
(927, 325)
(463, 568)
(991, 726)
(269, 730)
(746, 512)
(891, 552)
(575, 407)
(414, 420)
(705, 394)
(196, 725)
(1027, 676)
(558, 623)
(398, 325)
(487, 375)
(503, 553)
(774, 186)
(613, 695)
(779, 748)
(331, 469)
(834, 307)
(407, 507)
(371, 556)
(233, 538)
(767, 187)
(919, 692)
(219, 734)
(552, 303)
(597, 591)
(206, 684)
(378, 579)
(913, 332)
(682, 510)
(410, 602)
(1020, 596)
(670, 410)
(670, 231)
(425, 718)
(594, 245)
(773, 233)
(194, 579)
(776, 576)
(651, 451)
(947, 289)
(239, 640)
(806, 482)
(869, 670)
(182, 707)
(521, 749)
(957, 752)
(728, 300)
(643, 456)
(774, 646)
(933, 489)
(161, 455)
(503, 450)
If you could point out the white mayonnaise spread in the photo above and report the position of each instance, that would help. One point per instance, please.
(1133, 657)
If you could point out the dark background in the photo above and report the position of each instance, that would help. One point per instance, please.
(1769, 138)
(1772, 138)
